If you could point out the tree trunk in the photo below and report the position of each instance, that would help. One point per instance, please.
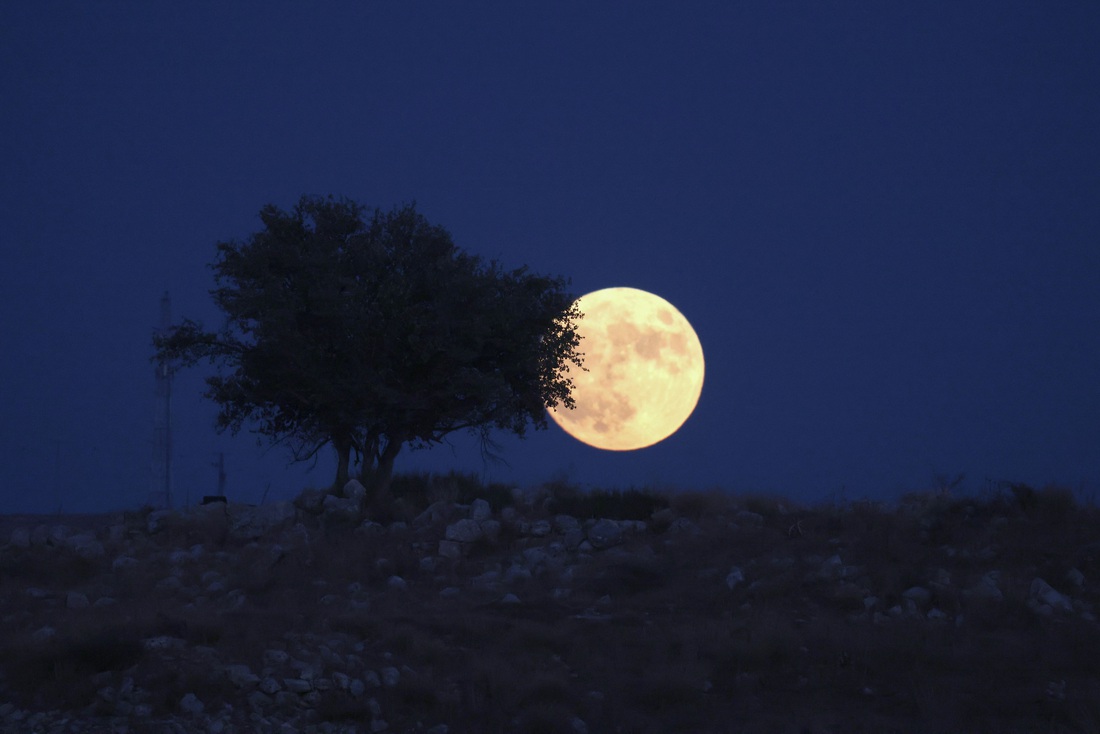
(343, 453)
(383, 473)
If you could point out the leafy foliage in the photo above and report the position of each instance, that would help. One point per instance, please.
(372, 333)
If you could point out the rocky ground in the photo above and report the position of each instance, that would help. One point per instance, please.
(555, 612)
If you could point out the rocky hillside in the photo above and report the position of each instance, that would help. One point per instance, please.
(469, 609)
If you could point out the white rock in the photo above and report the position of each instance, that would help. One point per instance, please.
(275, 658)
(464, 531)
(190, 704)
(241, 675)
(566, 523)
(270, 686)
(123, 562)
(1043, 593)
(450, 549)
(510, 599)
(1075, 577)
(390, 676)
(734, 577)
(370, 527)
(297, 685)
(76, 600)
(490, 529)
(354, 490)
(339, 507)
(356, 688)
(830, 568)
(936, 615)
(752, 519)
(540, 528)
(396, 582)
(605, 534)
(684, 526)
(164, 642)
(480, 510)
(44, 634)
(157, 520)
(918, 594)
(250, 523)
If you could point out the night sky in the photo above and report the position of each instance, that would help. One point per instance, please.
(882, 219)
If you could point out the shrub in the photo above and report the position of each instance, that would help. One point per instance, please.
(1026, 498)
(699, 505)
(630, 504)
(1056, 504)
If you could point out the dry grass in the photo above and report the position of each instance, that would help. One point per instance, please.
(650, 640)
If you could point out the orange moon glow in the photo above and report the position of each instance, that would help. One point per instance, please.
(645, 371)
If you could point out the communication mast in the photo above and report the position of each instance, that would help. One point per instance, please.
(161, 480)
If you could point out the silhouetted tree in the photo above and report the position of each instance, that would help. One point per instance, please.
(369, 334)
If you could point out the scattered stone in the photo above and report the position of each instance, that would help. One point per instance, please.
(605, 534)
(44, 634)
(76, 600)
(190, 704)
(464, 531)
(684, 526)
(20, 538)
(241, 676)
(450, 549)
(749, 519)
(354, 490)
(1041, 593)
(297, 685)
(123, 562)
(918, 594)
(480, 511)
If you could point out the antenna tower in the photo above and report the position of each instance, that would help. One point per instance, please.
(161, 481)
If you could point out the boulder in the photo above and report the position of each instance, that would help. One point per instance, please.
(605, 534)
(190, 704)
(565, 524)
(251, 523)
(450, 549)
(464, 531)
(20, 538)
(684, 526)
(241, 676)
(76, 600)
(1043, 593)
(918, 594)
(310, 501)
(354, 490)
(439, 511)
(750, 519)
(340, 508)
(480, 510)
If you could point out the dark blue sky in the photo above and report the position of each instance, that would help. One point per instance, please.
(883, 220)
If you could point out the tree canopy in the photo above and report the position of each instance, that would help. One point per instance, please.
(369, 333)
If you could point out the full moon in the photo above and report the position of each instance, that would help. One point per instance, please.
(644, 371)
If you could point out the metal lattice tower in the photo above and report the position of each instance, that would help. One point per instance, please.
(160, 493)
